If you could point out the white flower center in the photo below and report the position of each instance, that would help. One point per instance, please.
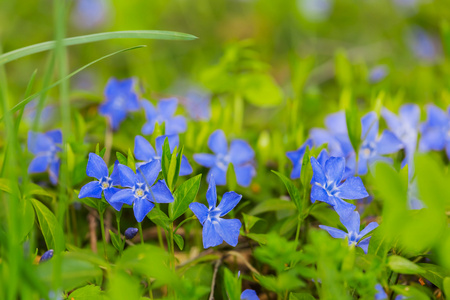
(139, 193)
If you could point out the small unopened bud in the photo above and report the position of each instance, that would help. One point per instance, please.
(46, 256)
(131, 232)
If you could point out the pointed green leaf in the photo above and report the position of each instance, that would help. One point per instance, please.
(179, 240)
(184, 195)
(51, 229)
(122, 159)
(130, 160)
(293, 191)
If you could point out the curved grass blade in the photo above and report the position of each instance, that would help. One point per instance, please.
(78, 40)
(25, 101)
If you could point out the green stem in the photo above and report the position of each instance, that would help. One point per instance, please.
(140, 233)
(118, 215)
(102, 227)
(172, 247)
(184, 221)
(160, 239)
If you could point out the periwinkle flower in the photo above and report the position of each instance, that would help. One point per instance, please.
(215, 229)
(198, 105)
(131, 232)
(46, 116)
(163, 113)
(354, 235)
(46, 256)
(240, 154)
(315, 10)
(144, 151)
(97, 168)
(435, 131)
(405, 127)
(327, 185)
(378, 73)
(422, 44)
(296, 157)
(249, 294)
(121, 99)
(45, 147)
(381, 294)
(141, 190)
(336, 135)
(372, 148)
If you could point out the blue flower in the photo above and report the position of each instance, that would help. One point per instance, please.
(405, 127)
(354, 235)
(378, 73)
(198, 105)
(435, 131)
(145, 152)
(249, 295)
(422, 44)
(215, 229)
(46, 256)
(140, 190)
(336, 136)
(131, 232)
(240, 155)
(45, 147)
(327, 185)
(163, 112)
(98, 169)
(372, 148)
(90, 13)
(120, 99)
(381, 293)
(296, 158)
(315, 10)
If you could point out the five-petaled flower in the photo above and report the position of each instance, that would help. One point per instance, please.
(45, 147)
(144, 151)
(215, 229)
(97, 168)
(327, 185)
(296, 158)
(140, 190)
(120, 99)
(354, 235)
(240, 155)
(163, 113)
(436, 130)
(372, 148)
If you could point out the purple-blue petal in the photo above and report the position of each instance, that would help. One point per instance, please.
(127, 176)
(125, 196)
(176, 125)
(141, 208)
(364, 244)
(200, 211)
(55, 135)
(228, 229)
(167, 107)
(210, 236)
(205, 159)
(39, 164)
(161, 193)
(318, 172)
(38, 142)
(185, 167)
(244, 174)
(53, 170)
(388, 143)
(148, 173)
(217, 142)
(334, 169)
(352, 222)
(143, 150)
(211, 193)
(241, 152)
(369, 127)
(115, 174)
(352, 188)
(410, 114)
(249, 295)
(334, 232)
(220, 175)
(96, 167)
(342, 208)
(369, 228)
(91, 189)
(228, 202)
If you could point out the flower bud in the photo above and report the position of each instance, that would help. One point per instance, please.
(46, 256)
(131, 232)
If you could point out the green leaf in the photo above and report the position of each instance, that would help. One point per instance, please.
(435, 274)
(159, 218)
(122, 159)
(293, 191)
(343, 68)
(231, 178)
(74, 271)
(250, 221)
(84, 39)
(232, 285)
(184, 195)
(272, 205)
(116, 241)
(25, 101)
(97, 149)
(34, 189)
(179, 240)
(10, 187)
(446, 284)
(130, 160)
(258, 237)
(404, 266)
(87, 292)
(51, 229)
(165, 159)
(286, 281)
(27, 218)
(260, 89)
(91, 202)
(171, 173)
(301, 296)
